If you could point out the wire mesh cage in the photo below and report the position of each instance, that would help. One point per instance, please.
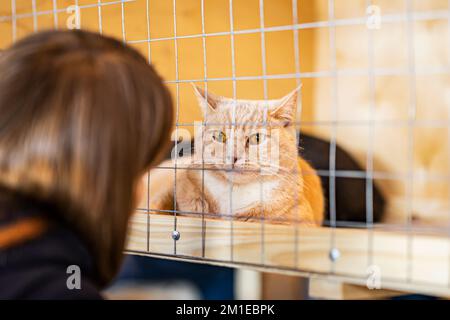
(371, 118)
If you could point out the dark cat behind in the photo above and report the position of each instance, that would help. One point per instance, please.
(350, 192)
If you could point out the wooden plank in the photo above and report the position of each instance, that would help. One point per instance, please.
(283, 287)
(425, 268)
(247, 284)
(337, 290)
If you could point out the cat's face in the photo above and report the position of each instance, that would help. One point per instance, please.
(245, 139)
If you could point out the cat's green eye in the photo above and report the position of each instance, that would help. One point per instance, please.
(256, 138)
(219, 136)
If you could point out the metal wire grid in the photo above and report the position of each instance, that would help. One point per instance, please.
(370, 175)
(448, 130)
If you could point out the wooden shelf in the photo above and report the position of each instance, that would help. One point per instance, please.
(413, 263)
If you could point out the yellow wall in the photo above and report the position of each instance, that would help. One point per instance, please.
(248, 58)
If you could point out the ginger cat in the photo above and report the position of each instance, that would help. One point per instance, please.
(252, 170)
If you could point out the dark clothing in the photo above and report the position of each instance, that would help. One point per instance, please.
(38, 269)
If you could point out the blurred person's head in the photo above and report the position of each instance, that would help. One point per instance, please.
(82, 117)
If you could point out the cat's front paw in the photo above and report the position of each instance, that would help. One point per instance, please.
(161, 203)
(195, 205)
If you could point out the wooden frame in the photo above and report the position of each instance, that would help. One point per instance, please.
(413, 263)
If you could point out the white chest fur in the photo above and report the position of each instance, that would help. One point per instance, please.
(239, 197)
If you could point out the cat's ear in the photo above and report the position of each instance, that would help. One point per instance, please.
(285, 110)
(208, 101)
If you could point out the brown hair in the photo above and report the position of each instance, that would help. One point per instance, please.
(82, 117)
